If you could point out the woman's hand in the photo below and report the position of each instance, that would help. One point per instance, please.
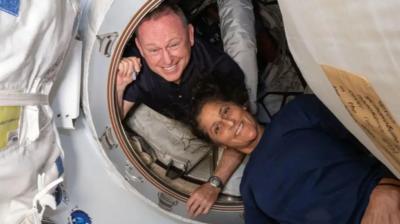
(384, 204)
(202, 199)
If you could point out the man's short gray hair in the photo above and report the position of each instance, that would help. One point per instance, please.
(163, 9)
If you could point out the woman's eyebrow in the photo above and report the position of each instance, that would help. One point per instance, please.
(221, 110)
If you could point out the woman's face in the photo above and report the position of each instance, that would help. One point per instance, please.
(229, 124)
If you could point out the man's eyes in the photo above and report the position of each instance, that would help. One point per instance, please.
(174, 45)
(153, 50)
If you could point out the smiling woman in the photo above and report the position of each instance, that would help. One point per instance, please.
(228, 124)
(303, 166)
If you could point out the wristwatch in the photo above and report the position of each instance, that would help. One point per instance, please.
(215, 182)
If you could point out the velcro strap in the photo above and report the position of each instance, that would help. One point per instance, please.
(23, 99)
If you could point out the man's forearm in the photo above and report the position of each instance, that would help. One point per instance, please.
(120, 100)
(230, 161)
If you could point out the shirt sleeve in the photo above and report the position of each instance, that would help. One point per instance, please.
(133, 93)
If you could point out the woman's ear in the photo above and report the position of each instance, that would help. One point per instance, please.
(245, 106)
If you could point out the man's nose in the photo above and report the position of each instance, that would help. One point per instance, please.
(167, 57)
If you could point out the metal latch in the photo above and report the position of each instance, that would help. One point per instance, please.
(166, 202)
(131, 174)
(106, 42)
(107, 139)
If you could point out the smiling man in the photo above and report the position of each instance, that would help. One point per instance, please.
(171, 60)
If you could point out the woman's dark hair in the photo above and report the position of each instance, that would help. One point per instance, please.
(212, 88)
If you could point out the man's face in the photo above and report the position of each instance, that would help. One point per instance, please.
(229, 124)
(165, 43)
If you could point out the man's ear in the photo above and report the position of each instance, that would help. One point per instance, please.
(137, 42)
(191, 34)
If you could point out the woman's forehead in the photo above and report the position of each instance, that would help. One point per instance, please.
(208, 113)
(211, 110)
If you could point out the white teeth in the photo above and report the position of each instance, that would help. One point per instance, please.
(171, 68)
(239, 128)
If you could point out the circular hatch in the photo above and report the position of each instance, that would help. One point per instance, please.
(129, 152)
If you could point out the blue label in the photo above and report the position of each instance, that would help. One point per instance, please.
(80, 217)
(59, 164)
(10, 6)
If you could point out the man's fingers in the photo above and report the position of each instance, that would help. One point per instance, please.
(129, 65)
(122, 67)
(135, 63)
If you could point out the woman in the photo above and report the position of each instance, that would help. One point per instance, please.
(304, 166)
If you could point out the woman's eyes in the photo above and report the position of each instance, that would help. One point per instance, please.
(217, 128)
(225, 111)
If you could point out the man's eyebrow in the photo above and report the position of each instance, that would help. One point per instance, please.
(150, 45)
(174, 39)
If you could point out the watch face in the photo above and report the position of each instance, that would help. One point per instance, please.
(215, 182)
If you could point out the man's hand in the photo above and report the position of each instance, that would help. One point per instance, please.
(383, 206)
(127, 70)
(202, 199)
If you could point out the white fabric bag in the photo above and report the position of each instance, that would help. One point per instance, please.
(35, 35)
(349, 54)
(173, 142)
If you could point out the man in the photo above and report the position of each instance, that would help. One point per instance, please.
(173, 61)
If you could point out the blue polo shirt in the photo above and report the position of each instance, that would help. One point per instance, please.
(308, 168)
(174, 100)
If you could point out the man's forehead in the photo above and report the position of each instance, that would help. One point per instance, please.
(167, 20)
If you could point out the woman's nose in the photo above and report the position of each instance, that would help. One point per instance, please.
(229, 122)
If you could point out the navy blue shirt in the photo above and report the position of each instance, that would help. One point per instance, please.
(174, 100)
(308, 168)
